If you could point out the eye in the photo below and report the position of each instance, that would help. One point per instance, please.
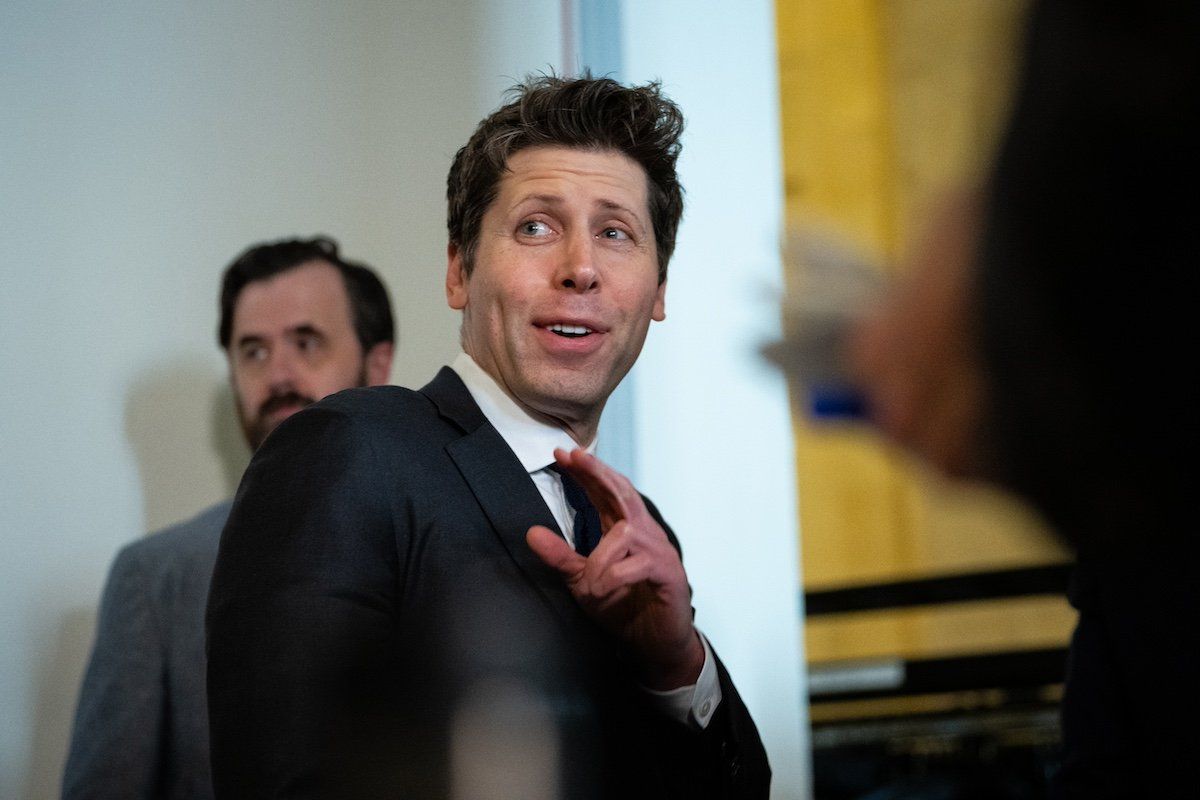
(535, 228)
(614, 235)
(253, 354)
(308, 342)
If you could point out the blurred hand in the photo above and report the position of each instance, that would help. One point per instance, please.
(915, 356)
(633, 584)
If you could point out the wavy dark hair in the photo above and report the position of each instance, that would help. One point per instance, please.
(369, 305)
(587, 113)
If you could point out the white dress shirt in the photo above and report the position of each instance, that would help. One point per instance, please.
(533, 442)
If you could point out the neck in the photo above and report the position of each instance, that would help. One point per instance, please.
(580, 422)
(581, 428)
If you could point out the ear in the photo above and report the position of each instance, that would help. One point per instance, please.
(660, 303)
(456, 278)
(379, 363)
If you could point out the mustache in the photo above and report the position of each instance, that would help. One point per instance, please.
(278, 401)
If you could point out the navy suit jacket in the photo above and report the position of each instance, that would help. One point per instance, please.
(375, 606)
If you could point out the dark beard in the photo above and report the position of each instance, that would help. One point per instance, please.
(256, 429)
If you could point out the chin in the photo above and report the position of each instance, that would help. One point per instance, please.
(258, 431)
(566, 398)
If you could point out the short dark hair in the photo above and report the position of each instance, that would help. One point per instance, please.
(586, 113)
(369, 305)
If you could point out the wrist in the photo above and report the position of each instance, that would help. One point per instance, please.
(681, 670)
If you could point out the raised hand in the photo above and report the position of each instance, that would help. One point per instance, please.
(916, 356)
(633, 583)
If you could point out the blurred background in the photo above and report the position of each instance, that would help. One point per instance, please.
(144, 145)
(936, 622)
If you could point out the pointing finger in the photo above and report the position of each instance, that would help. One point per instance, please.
(610, 492)
(554, 552)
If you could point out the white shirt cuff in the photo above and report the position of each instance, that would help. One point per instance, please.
(694, 704)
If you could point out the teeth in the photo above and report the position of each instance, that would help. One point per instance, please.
(570, 330)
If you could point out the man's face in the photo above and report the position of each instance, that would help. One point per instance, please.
(565, 281)
(292, 343)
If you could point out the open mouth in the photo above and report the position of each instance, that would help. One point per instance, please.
(284, 410)
(569, 331)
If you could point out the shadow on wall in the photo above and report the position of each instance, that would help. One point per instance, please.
(181, 423)
(226, 437)
(59, 675)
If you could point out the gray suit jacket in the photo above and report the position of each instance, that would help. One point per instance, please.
(141, 727)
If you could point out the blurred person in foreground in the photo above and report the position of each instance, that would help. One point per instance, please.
(1041, 341)
(414, 596)
(298, 322)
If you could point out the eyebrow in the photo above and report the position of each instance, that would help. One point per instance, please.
(249, 338)
(304, 328)
(557, 200)
(546, 199)
(614, 206)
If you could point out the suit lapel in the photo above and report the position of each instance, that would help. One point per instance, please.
(504, 490)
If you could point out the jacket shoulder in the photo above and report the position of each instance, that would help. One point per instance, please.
(390, 406)
(186, 541)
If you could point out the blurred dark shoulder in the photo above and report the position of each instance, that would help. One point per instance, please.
(1088, 250)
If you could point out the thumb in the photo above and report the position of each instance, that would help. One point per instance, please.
(554, 551)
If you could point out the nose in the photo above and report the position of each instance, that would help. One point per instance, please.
(281, 371)
(577, 271)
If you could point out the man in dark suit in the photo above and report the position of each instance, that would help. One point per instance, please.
(413, 596)
(298, 322)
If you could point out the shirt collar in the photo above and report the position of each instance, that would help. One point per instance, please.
(531, 439)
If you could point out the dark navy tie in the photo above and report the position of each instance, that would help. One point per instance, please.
(587, 518)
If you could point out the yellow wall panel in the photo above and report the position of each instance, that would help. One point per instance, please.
(834, 116)
(954, 629)
(885, 103)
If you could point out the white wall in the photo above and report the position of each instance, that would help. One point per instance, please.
(144, 145)
(712, 435)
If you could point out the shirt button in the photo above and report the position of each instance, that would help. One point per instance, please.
(705, 707)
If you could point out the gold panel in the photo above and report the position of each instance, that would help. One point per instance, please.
(884, 104)
(941, 631)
